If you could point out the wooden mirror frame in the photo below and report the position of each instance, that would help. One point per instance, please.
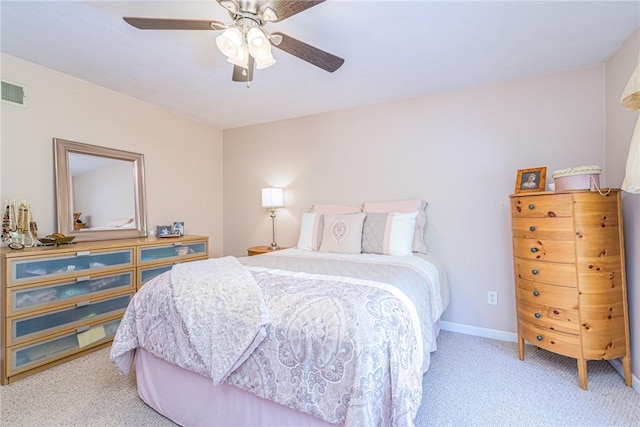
(64, 198)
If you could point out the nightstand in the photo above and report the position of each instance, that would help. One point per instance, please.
(257, 250)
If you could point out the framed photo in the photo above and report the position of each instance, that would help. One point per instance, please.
(164, 231)
(529, 180)
(178, 228)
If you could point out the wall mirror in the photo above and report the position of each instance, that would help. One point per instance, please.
(100, 192)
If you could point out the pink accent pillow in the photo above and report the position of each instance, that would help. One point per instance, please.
(412, 205)
(329, 209)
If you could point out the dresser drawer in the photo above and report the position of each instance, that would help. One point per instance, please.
(67, 264)
(544, 250)
(27, 298)
(545, 272)
(31, 327)
(557, 318)
(559, 228)
(171, 252)
(547, 294)
(24, 357)
(148, 273)
(552, 205)
(557, 342)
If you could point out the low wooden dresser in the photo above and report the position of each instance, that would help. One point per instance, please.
(569, 268)
(62, 302)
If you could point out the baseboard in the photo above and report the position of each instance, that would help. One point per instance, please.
(479, 332)
(513, 337)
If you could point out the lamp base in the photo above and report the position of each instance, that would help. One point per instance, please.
(273, 247)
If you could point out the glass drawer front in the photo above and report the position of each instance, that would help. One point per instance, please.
(178, 250)
(43, 268)
(147, 274)
(55, 348)
(35, 324)
(41, 296)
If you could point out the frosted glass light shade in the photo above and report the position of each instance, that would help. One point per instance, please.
(264, 62)
(272, 198)
(229, 42)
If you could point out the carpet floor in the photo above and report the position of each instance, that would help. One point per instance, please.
(472, 381)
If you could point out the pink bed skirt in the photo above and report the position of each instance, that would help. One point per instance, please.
(190, 399)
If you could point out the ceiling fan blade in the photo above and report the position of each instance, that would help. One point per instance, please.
(174, 24)
(286, 8)
(243, 74)
(308, 53)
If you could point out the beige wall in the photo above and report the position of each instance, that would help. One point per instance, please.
(458, 150)
(620, 125)
(183, 158)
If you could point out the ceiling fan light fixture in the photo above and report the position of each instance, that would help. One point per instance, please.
(241, 59)
(257, 42)
(230, 42)
(264, 62)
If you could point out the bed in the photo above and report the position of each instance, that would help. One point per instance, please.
(321, 339)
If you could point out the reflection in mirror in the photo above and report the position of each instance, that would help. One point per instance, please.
(100, 192)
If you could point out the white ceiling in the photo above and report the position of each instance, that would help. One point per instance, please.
(392, 50)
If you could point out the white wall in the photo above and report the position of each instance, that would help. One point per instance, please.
(183, 158)
(458, 150)
(620, 125)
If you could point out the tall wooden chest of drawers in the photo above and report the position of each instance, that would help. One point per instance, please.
(569, 268)
(61, 302)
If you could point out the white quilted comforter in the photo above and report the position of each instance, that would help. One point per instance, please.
(343, 338)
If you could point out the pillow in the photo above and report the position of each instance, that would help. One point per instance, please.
(389, 233)
(413, 205)
(310, 232)
(335, 209)
(342, 234)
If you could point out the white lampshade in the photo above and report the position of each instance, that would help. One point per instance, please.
(257, 42)
(241, 59)
(272, 197)
(229, 42)
(262, 63)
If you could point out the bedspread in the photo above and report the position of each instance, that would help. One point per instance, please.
(344, 349)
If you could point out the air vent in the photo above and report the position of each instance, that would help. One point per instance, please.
(13, 94)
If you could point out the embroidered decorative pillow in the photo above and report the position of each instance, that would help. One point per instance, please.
(321, 208)
(342, 233)
(310, 231)
(413, 205)
(389, 233)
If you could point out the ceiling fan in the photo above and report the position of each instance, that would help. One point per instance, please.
(244, 41)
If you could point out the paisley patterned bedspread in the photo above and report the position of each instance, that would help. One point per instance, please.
(347, 341)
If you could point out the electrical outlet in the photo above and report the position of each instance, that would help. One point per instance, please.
(492, 297)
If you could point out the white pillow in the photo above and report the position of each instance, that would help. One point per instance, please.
(389, 233)
(342, 233)
(310, 232)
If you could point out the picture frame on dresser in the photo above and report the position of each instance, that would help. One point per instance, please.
(530, 180)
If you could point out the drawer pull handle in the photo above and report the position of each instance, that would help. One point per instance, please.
(82, 329)
(531, 206)
(534, 250)
(536, 293)
(177, 244)
(82, 278)
(538, 315)
(539, 337)
(83, 303)
(83, 253)
(532, 228)
(534, 272)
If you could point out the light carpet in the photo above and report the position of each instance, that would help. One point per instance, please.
(472, 381)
